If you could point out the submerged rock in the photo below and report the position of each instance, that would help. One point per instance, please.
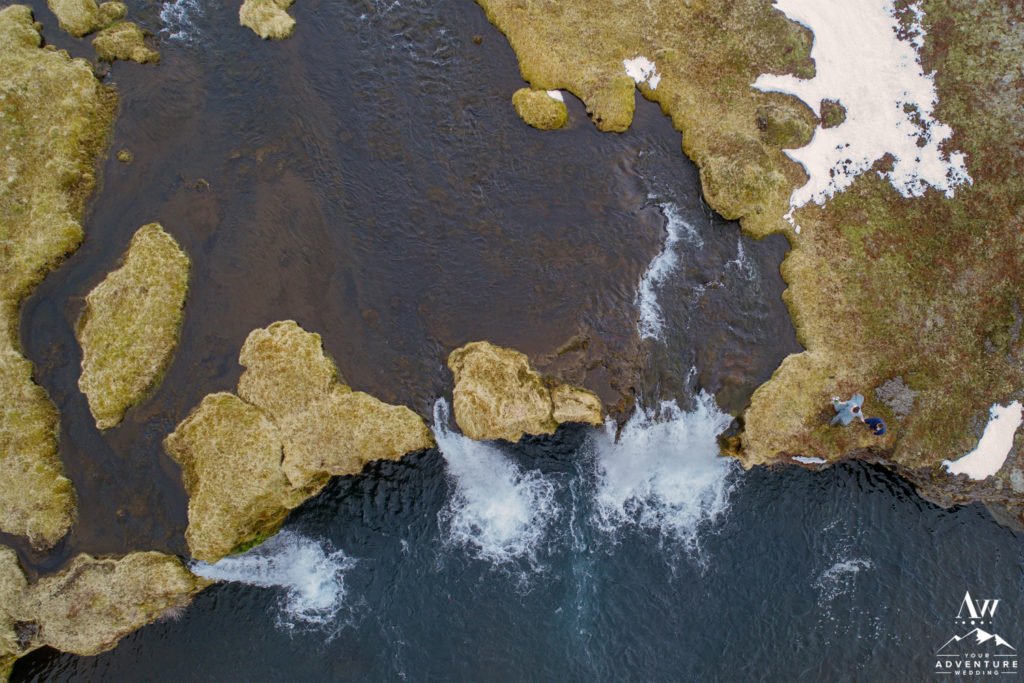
(248, 459)
(124, 40)
(55, 119)
(90, 605)
(129, 328)
(539, 109)
(498, 395)
(267, 18)
(230, 455)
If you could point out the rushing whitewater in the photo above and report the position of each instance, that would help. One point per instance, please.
(311, 577)
(652, 324)
(664, 472)
(497, 510)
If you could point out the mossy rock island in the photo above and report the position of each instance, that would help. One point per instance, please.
(540, 108)
(498, 395)
(124, 40)
(249, 459)
(54, 121)
(129, 328)
(88, 606)
(267, 18)
(885, 281)
(82, 17)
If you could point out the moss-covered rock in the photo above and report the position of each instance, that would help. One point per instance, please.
(124, 40)
(77, 17)
(129, 328)
(54, 120)
(539, 109)
(247, 461)
(81, 17)
(230, 455)
(267, 18)
(342, 432)
(832, 113)
(498, 395)
(705, 56)
(88, 606)
(286, 369)
(93, 603)
(12, 586)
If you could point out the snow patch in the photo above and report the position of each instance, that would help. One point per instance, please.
(862, 61)
(993, 447)
(556, 95)
(807, 460)
(641, 69)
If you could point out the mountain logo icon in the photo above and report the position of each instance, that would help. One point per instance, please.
(976, 639)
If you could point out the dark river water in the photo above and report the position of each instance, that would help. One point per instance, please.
(369, 178)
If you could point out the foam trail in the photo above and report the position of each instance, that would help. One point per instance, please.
(179, 19)
(664, 472)
(312, 578)
(652, 324)
(497, 510)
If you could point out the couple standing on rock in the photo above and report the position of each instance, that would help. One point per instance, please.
(847, 411)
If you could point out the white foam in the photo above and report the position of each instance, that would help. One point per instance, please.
(641, 70)
(497, 510)
(665, 471)
(840, 577)
(652, 324)
(861, 62)
(556, 95)
(993, 447)
(312, 578)
(179, 19)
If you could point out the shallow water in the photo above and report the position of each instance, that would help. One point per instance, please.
(369, 178)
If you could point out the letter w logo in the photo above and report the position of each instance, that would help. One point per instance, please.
(976, 609)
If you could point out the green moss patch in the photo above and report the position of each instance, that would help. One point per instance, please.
(267, 18)
(539, 109)
(124, 40)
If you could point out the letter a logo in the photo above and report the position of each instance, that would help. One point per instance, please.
(977, 610)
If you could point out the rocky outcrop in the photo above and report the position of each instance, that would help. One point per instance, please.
(498, 395)
(248, 459)
(90, 605)
(124, 40)
(129, 328)
(540, 109)
(55, 120)
(267, 18)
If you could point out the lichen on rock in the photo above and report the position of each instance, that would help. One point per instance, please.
(539, 109)
(124, 40)
(498, 395)
(88, 606)
(54, 120)
(129, 328)
(248, 459)
(267, 18)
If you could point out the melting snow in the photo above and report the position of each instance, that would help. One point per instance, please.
(556, 95)
(995, 444)
(889, 99)
(807, 460)
(641, 69)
